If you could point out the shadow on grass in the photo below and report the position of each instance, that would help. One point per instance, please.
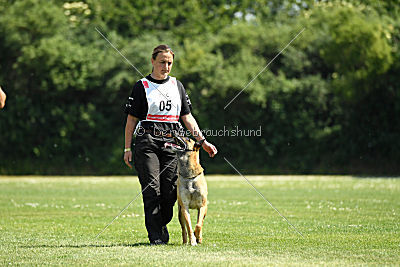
(376, 177)
(89, 245)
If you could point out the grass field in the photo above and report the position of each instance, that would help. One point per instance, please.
(345, 221)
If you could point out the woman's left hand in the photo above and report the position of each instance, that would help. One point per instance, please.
(210, 149)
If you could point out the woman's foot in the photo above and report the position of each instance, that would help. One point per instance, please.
(157, 242)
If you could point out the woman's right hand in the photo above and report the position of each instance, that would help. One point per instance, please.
(128, 158)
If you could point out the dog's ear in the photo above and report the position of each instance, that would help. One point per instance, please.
(198, 144)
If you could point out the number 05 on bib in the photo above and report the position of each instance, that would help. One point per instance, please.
(164, 101)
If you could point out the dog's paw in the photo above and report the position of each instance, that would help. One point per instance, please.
(198, 235)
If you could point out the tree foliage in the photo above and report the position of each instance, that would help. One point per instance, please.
(328, 103)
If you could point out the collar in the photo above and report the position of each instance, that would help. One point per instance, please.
(151, 79)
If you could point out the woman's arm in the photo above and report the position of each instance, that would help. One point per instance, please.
(131, 122)
(191, 124)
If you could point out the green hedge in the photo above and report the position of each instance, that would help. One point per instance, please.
(330, 103)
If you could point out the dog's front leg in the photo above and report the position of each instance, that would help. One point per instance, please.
(186, 214)
(199, 226)
(182, 223)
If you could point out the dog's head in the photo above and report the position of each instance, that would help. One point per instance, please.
(188, 156)
(183, 145)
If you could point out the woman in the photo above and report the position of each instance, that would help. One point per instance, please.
(158, 101)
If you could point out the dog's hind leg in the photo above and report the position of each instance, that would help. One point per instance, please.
(198, 232)
(182, 223)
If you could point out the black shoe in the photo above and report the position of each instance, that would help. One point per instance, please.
(157, 242)
(164, 234)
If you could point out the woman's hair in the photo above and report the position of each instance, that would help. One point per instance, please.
(162, 48)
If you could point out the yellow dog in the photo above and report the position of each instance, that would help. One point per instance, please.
(192, 188)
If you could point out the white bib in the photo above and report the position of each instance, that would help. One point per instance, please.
(164, 100)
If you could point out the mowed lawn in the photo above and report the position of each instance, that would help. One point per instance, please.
(345, 221)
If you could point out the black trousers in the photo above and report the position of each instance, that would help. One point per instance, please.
(157, 171)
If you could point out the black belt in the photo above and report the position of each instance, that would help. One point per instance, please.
(159, 133)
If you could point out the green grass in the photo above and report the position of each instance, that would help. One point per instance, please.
(344, 220)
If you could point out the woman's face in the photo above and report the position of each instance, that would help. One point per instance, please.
(162, 65)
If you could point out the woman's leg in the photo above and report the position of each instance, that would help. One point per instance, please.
(148, 167)
(168, 180)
